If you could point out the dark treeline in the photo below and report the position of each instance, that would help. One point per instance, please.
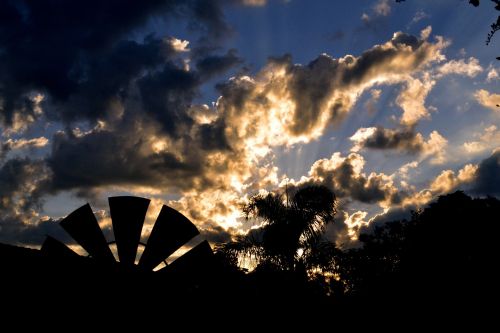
(444, 255)
(440, 262)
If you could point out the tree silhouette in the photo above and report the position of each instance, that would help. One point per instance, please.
(446, 252)
(290, 237)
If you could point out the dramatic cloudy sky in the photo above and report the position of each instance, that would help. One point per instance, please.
(200, 104)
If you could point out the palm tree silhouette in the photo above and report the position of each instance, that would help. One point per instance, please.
(291, 232)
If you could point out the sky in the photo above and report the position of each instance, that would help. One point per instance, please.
(201, 104)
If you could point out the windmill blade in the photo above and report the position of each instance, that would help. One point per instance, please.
(83, 227)
(55, 248)
(195, 264)
(127, 214)
(170, 232)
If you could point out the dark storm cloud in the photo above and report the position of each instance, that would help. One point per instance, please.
(153, 139)
(116, 158)
(21, 178)
(365, 189)
(23, 182)
(167, 94)
(487, 180)
(212, 65)
(311, 87)
(404, 139)
(71, 50)
(212, 136)
(215, 233)
(345, 177)
(16, 230)
(106, 78)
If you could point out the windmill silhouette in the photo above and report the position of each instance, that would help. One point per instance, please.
(171, 231)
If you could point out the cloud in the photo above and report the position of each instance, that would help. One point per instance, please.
(296, 102)
(18, 144)
(447, 181)
(70, 54)
(131, 156)
(345, 176)
(382, 8)
(482, 179)
(254, 3)
(355, 222)
(159, 139)
(178, 45)
(217, 64)
(405, 169)
(370, 104)
(412, 99)
(489, 139)
(479, 178)
(375, 18)
(22, 184)
(488, 100)
(435, 148)
(28, 109)
(461, 67)
(419, 16)
(405, 140)
(487, 180)
(145, 132)
(416, 89)
(492, 75)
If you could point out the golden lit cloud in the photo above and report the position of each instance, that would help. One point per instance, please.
(489, 139)
(461, 67)
(405, 169)
(488, 100)
(288, 103)
(18, 144)
(27, 143)
(255, 3)
(492, 75)
(435, 148)
(216, 156)
(412, 99)
(447, 180)
(178, 45)
(355, 222)
(23, 116)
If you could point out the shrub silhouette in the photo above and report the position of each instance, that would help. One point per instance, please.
(445, 253)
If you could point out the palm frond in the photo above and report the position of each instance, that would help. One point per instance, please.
(270, 208)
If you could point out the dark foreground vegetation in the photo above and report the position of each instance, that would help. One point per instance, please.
(444, 258)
